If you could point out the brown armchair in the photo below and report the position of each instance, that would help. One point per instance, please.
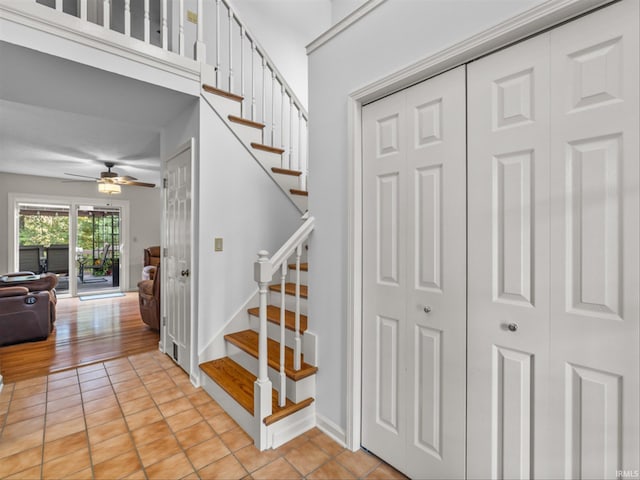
(27, 307)
(152, 256)
(149, 299)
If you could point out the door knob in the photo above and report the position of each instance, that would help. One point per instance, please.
(512, 327)
(185, 273)
(427, 309)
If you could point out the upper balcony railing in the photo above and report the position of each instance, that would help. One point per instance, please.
(220, 40)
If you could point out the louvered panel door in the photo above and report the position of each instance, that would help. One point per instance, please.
(508, 314)
(595, 336)
(414, 278)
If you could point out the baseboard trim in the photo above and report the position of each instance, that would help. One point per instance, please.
(330, 428)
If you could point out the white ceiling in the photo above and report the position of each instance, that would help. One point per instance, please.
(58, 117)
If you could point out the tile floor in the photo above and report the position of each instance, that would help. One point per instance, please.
(140, 417)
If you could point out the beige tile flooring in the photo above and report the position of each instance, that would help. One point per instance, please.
(140, 417)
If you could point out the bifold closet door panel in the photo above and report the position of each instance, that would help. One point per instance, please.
(508, 261)
(595, 271)
(414, 278)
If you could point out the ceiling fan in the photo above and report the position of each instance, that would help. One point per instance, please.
(113, 178)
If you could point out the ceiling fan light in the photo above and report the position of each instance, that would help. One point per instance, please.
(109, 188)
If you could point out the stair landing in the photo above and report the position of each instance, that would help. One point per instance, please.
(238, 383)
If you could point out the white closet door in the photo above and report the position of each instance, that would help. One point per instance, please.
(508, 314)
(595, 281)
(414, 278)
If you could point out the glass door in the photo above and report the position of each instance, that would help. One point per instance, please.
(97, 250)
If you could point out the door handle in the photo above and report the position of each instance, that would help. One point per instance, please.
(185, 273)
(512, 327)
(427, 309)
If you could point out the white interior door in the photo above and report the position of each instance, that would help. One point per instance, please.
(508, 260)
(414, 278)
(176, 263)
(595, 285)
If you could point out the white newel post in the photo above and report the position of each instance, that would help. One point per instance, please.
(262, 387)
(200, 53)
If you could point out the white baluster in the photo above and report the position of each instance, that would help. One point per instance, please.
(242, 105)
(147, 37)
(83, 9)
(59, 5)
(282, 117)
(282, 399)
(181, 28)
(253, 80)
(127, 18)
(106, 14)
(165, 26)
(201, 47)
(230, 50)
(291, 132)
(297, 346)
(300, 138)
(264, 89)
(273, 109)
(218, 43)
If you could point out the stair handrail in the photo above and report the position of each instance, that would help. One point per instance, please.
(264, 269)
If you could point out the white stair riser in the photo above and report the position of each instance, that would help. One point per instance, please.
(300, 201)
(289, 302)
(296, 391)
(224, 106)
(273, 332)
(268, 160)
(246, 133)
(291, 277)
(287, 182)
(292, 426)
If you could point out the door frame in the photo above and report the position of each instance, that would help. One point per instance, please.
(535, 20)
(73, 203)
(193, 307)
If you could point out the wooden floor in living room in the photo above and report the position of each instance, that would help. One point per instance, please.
(86, 332)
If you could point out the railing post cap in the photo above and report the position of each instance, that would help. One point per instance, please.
(263, 255)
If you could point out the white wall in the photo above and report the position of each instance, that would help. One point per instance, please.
(144, 213)
(240, 203)
(392, 36)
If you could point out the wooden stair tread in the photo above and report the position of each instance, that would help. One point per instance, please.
(222, 93)
(290, 289)
(273, 316)
(304, 267)
(295, 191)
(284, 171)
(238, 383)
(245, 121)
(267, 148)
(247, 340)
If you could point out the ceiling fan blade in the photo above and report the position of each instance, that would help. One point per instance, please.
(138, 184)
(83, 176)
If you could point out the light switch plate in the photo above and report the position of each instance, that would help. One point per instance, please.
(192, 17)
(217, 244)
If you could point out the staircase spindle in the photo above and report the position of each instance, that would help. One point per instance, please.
(106, 14)
(165, 26)
(181, 29)
(127, 18)
(242, 69)
(218, 80)
(282, 399)
(200, 53)
(230, 50)
(291, 132)
(83, 9)
(146, 22)
(59, 5)
(253, 80)
(264, 89)
(273, 109)
(300, 139)
(282, 118)
(297, 350)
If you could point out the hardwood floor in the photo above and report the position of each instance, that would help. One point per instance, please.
(86, 332)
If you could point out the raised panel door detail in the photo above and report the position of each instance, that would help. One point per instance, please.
(512, 228)
(387, 377)
(428, 242)
(593, 423)
(513, 99)
(387, 229)
(428, 123)
(387, 136)
(511, 413)
(593, 227)
(597, 74)
(428, 388)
